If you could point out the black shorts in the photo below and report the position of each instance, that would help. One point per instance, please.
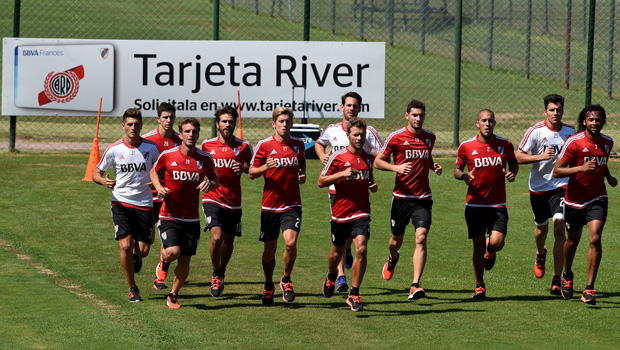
(418, 211)
(576, 218)
(179, 234)
(133, 221)
(271, 223)
(548, 205)
(229, 220)
(341, 231)
(481, 221)
(156, 210)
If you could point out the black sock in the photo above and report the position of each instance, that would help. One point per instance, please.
(217, 273)
(286, 279)
(332, 276)
(417, 285)
(269, 285)
(589, 286)
(568, 275)
(355, 291)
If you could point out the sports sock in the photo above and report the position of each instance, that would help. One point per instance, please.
(286, 279)
(268, 285)
(589, 286)
(332, 276)
(165, 265)
(355, 291)
(417, 285)
(568, 275)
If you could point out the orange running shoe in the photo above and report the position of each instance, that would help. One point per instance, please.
(567, 286)
(416, 293)
(539, 264)
(555, 285)
(389, 266)
(134, 294)
(173, 301)
(217, 286)
(161, 272)
(480, 293)
(355, 302)
(588, 296)
(159, 284)
(287, 291)
(268, 297)
(328, 287)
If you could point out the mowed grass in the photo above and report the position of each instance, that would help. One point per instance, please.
(64, 287)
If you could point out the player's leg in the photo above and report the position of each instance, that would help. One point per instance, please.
(595, 252)
(476, 229)
(421, 217)
(269, 233)
(559, 229)
(570, 247)
(354, 299)
(180, 275)
(340, 233)
(540, 207)
(400, 215)
(342, 285)
(126, 243)
(215, 246)
(228, 245)
(289, 256)
(420, 253)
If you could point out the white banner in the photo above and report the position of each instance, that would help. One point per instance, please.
(69, 76)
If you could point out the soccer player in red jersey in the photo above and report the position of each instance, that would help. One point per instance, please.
(166, 138)
(584, 160)
(183, 168)
(222, 207)
(350, 170)
(487, 157)
(132, 158)
(281, 160)
(540, 147)
(335, 136)
(411, 147)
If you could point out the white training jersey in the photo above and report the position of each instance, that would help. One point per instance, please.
(132, 167)
(336, 137)
(536, 140)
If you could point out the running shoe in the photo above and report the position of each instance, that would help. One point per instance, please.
(489, 258)
(134, 294)
(567, 286)
(480, 292)
(328, 288)
(137, 263)
(556, 284)
(416, 293)
(588, 296)
(162, 269)
(173, 301)
(342, 286)
(268, 297)
(390, 265)
(287, 291)
(355, 302)
(348, 259)
(217, 286)
(539, 264)
(159, 284)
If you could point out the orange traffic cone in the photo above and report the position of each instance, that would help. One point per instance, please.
(240, 129)
(93, 160)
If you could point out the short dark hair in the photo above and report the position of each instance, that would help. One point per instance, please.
(416, 104)
(486, 110)
(357, 123)
(132, 113)
(587, 110)
(553, 98)
(226, 110)
(189, 120)
(352, 94)
(166, 107)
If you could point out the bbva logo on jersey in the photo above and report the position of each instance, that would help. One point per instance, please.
(125, 168)
(361, 175)
(487, 161)
(185, 175)
(286, 161)
(416, 153)
(224, 163)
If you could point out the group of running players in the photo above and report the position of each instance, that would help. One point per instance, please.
(159, 177)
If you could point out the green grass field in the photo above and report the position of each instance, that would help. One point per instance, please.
(64, 287)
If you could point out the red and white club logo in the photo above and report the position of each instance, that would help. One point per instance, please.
(61, 87)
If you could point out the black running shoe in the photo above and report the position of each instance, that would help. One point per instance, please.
(217, 286)
(137, 263)
(355, 302)
(159, 284)
(588, 296)
(556, 284)
(567, 286)
(480, 292)
(268, 297)
(287, 291)
(134, 294)
(328, 287)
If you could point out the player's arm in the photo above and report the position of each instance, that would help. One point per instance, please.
(103, 181)
(319, 149)
(513, 170)
(459, 174)
(328, 180)
(610, 179)
(156, 181)
(210, 184)
(561, 168)
(257, 171)
(373, 187)
(435, 167)
(382, 162)
(526, 158)
(301, 176)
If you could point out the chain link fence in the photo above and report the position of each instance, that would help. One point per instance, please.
(513, 54)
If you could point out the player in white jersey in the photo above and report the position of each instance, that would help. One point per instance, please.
(541, 146)
(132, 158)
(335, 136)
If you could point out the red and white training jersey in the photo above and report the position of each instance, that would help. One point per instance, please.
(281, 190)
(132, 167)
(183, 174)
(486, 162)
(335, 136)
(163, 144)
(228, 195)
(351, 201)
(536, 140)
(585, 188)
(415, 149)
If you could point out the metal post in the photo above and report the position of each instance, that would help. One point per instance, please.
(389, 14)
(569, 11)
(476, 9)
(307, 20)
(333, 16)
(362, 20)
(610, 65)
(457, 69)
(528, 40)
(590, 58)
(423, 33)
(583, 20)
(256, 7)
(216, 36)
(510, 13)
(490, 49)
(13, 121)
(546, 28)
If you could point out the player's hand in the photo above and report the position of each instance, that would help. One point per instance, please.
(403, 169)
(350, 173)
(301, 177)
(236, 167)
(510, 176)
(270, 162)
(109, 183)
(163, 192)
(150, 184)
(325, 157)
(437, 169)
(204, 186)
(468, 178)
(373, 187)
(613, 182)
(549, 153)
(589, 165)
